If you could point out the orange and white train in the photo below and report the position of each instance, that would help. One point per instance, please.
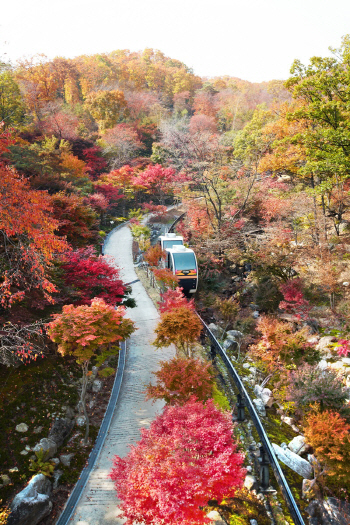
(181, 261)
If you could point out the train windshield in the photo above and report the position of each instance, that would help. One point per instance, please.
(184, 261)
(170, 243)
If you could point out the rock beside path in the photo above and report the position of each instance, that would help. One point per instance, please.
(293, 461)
(32, 504)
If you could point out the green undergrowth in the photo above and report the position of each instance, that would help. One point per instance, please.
(72, 472)
(239, 510)
(279, 432)
(220, 399)
(34, 394)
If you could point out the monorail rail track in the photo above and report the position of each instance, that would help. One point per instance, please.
(216, 348)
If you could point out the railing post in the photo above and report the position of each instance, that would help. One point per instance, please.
(212, 352)
(264, 469)
(240, 408)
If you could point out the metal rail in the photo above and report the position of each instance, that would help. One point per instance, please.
(280, 478)
(95, 452)
(175, 222)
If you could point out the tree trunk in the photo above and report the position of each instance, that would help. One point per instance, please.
(82, 403)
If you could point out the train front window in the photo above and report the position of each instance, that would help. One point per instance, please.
(170, 243)
(184, 261)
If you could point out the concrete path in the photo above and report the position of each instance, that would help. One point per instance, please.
(98, 503)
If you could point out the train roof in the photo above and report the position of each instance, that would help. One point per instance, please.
(179, 249)
(171, 237)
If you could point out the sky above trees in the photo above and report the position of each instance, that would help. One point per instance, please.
(254, 40)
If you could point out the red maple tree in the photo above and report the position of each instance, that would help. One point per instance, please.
(180, 379)
(92, 276)
(28, 237)
(184, 459)
(173, 299)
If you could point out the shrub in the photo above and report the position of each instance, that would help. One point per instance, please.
(309, 385)
(293, 299)
(328, 434)
(185, 458)
(268, 295)
(181, 378)
(173, 299)
(41, 466)
(280, 346)
(165, 277)
(181, 327)
(220, 399)
(106, 372)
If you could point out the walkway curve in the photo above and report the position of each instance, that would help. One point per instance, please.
(98, 503)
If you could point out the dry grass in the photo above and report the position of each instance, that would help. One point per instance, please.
(152, 291)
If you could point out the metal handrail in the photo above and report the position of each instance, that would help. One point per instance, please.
(75, 495)
(175, 222)
(280, 478)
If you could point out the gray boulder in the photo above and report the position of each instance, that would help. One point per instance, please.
(5, 480)
(229, 344)
(323, 345)
(217, 330)
(80, 421)
(33, 503)
(22, 427)
(298, 445)
(97, 385)
(264, 394)
(330, 511)
(61, 430)
(215, 517)
(259, 406)
(65, 459)
(49, 447)
(235, 335)
(293, 461)
(56, 477)
(250, 482)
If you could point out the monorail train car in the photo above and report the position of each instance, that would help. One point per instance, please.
(169, 240)
(183, 263)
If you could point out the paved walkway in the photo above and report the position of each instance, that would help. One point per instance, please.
(98, 503)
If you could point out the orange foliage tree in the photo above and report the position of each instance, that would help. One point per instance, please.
(280, 345)
(154, 254)
(77, 221)
(81, 331)
(166, 278)
(328, 434)
(180, 379)
(28, 240)
(179, 326)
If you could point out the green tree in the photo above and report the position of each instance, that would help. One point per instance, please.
(11, 103)
(323, 88)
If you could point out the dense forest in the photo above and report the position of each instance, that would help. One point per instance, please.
(262, 171)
